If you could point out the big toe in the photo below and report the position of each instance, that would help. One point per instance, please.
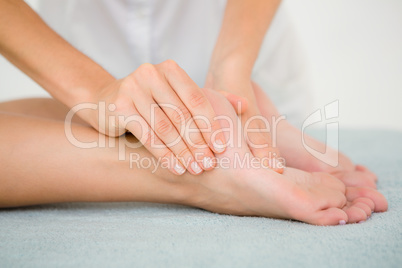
(329, 216)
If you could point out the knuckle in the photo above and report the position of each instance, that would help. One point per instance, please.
(163, 127)
(166, 155)
(146, 70)
(170, 65)
(198, 143)
(128, 83)
(147, 138)
(181, 115)
(122, 105)
(183, 152)
(197, 99)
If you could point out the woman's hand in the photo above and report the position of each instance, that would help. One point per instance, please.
(166, 111)
(257, 130)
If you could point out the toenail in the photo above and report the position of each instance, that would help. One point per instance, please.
(342, 222)
(361, 221)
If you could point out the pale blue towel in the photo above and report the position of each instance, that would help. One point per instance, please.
(151, 235)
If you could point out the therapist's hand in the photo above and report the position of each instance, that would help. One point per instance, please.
(167, 112)
(257, 130)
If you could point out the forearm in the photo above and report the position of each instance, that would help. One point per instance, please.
(42, 166)
(243, 29)
(28, 43)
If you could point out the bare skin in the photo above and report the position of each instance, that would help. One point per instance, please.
(42, 166)
(73, 78)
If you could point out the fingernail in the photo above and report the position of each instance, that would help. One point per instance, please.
(196, 168)
(179, 169)
(207, 162)
(219, 146)
(342, 222)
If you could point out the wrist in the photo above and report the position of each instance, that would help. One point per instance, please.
(238, 83)
(87, 87)
(87, 91)
(233, 65)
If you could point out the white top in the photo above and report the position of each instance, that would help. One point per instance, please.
(120, 35)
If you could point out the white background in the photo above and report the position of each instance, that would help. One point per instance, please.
(355, 53)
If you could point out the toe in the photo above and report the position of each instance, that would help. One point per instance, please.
(368, 172)
(362, 206)
(330, 216)
(380, 203)
(361, 168)
(366, 201)
(355, 214)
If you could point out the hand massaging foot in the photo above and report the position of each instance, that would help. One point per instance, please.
(316, 198)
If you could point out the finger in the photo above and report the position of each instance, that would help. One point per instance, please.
(181, 119)
(168, 134)
(197, 103)
(191, 135)
(259, 141)
(240, 104)
(144, 79)
(144, 133)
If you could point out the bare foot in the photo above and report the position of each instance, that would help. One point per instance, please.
(316, 198)
(289, 142)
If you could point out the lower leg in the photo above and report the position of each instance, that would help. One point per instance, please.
(39, 107)
(39, 165)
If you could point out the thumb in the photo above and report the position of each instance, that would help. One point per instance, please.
(240, 104)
